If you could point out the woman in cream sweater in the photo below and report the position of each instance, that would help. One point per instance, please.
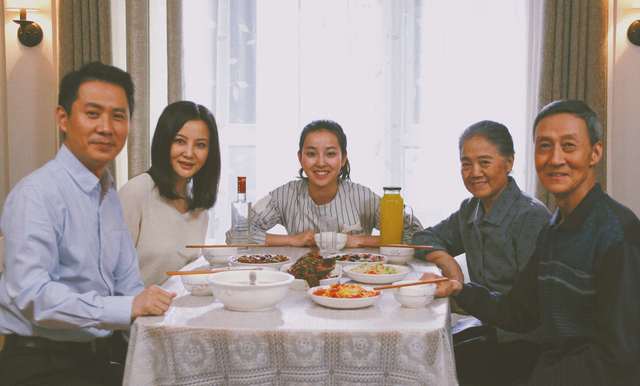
(166, 207)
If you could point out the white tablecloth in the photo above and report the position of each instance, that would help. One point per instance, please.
(198, 342)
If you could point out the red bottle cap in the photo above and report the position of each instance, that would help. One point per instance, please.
(242, 184)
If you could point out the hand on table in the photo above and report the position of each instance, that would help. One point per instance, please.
(447, 264)
(444, 288)
(304, 239)
(152, 300)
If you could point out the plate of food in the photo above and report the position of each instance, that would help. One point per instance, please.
(344, 296)
(377, 273)
(358, 258)
(265, 260)
(312, 270)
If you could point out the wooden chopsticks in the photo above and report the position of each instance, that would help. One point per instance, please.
(228, 246)
(208, 271)
(417, 246)
(421, 282)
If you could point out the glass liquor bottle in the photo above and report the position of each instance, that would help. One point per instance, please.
(240, 209)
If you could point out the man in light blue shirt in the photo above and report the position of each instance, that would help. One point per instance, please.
(71, 271)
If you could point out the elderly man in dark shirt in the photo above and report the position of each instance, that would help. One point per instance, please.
(581, 285)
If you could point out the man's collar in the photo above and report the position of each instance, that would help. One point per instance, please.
(501, 206)
(580, 213)
(78, 172)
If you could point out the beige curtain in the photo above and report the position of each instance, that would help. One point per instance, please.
(137, 14)
(574, 61)
(174, 50)
(138, 40)
(85, 33)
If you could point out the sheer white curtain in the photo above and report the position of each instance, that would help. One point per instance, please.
(403, 78)
(4, 142)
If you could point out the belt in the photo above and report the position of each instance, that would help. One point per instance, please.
(98, 346)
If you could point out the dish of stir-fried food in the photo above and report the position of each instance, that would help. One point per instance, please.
(261, 259)
(349, 291)
(312, 268)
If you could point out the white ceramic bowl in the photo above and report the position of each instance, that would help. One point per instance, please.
(363, 258)
(302, 285)
(234, 290)
(330, 241)
(219, 255)
(397, 255)
(273, 266)
(416, 296)
(197, 285)
(342, 303)
(403, 270)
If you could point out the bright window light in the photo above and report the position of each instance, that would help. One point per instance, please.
(403, 78)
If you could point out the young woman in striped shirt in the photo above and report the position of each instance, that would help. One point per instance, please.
(323, 191)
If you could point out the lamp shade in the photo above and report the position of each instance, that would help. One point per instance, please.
(28, 4)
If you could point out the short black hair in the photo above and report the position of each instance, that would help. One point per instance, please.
(577, 108)
(332, 127)
(494, 132)
(72, 81)
(204, 191)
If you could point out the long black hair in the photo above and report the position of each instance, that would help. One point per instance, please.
(205, 182)
(332, 127)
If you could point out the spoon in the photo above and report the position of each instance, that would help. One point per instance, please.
(252, 278)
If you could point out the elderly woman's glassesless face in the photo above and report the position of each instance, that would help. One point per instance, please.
(484, 170)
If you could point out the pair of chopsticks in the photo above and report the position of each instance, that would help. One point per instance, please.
(416, 246)
(228, 246)
(267, 246)
(421, 282)
(208, 271)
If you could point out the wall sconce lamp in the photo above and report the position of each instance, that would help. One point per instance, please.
(30, 32)
(633, 32)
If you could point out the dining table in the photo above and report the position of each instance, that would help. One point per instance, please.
(199, 342)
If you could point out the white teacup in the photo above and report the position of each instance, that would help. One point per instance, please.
(219, 255)
(330, 241)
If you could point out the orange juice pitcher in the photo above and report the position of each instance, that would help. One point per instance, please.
(391, 216)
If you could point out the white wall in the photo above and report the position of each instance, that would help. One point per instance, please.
(31, 92)
(624, 108)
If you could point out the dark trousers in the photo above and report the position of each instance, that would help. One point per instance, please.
(496, 364)
(39, 361)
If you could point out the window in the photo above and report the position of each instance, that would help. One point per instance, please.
(403, 78)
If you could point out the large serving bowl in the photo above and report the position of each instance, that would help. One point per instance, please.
(197, 285)
(416, 296)
(219, 255)
(342, 303)
(262, 260)
(400, 271)
(235, 291)
(397, 255)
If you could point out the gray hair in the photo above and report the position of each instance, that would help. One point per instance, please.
(494, 132)
(577, 108)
